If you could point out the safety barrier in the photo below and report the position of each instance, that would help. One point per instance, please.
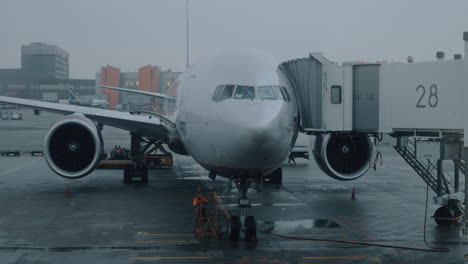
(17, 153)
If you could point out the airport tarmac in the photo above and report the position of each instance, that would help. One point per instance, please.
(105, 221)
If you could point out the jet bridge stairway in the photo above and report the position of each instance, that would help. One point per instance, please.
(426, 169)
(440, 181)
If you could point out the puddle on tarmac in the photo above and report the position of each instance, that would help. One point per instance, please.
(289, 226)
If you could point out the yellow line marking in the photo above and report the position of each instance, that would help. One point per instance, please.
(166, 235)
(325, 235)
(376, 259)
(19, 167)
(164, 241)
(142, 258)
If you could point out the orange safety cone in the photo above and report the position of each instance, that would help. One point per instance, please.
(67, 191)
(353, 195)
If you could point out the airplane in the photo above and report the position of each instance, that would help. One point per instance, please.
(235, 113)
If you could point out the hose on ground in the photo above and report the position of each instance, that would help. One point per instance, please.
(437, 250)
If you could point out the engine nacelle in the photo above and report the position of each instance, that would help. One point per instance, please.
(73, 146)
(344, 157)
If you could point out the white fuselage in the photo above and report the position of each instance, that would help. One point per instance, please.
(235, 137)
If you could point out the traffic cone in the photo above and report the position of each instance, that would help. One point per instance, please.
(353, 195)
(67, 191)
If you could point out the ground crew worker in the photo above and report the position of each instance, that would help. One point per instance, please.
(199, 203)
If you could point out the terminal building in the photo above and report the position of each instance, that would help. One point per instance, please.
(148, 78)
(44, 75)
(42, 61)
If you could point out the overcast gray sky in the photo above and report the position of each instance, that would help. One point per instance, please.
(130, 34)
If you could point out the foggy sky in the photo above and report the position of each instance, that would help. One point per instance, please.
(130, 34)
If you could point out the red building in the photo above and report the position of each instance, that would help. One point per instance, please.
(147, 81)
(110, 76)
(148, 78)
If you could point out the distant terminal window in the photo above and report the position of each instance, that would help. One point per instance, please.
(216, 93)
(266, 92)
(336, 94)
(244, 92)
(227, 92)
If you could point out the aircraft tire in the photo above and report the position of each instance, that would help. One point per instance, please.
(250, 229)
(276, 177)
(443, 212)
(128, 171)
(234, 228)
(144, 173)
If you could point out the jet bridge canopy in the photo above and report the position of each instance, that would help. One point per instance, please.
(305, 76)
(320, 86)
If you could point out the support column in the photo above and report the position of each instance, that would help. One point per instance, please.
(465, 144)
(456, 175)
(465, 157)
(439, 178)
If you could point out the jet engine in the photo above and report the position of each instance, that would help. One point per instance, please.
(73, 146)
(344, 157)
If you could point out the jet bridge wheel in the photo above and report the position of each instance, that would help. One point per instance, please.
(444, 216)
(234, 228)
(250, 229)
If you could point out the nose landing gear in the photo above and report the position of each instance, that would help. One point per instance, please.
(246, 224)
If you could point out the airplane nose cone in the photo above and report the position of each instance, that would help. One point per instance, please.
(261, 141)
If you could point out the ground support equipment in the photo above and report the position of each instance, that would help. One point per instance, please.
(205, 215)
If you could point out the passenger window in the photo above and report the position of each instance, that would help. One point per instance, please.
(244, 92)
(336, 94)
(286, 94)
(227, 92)
(216, 93)
(266, 92)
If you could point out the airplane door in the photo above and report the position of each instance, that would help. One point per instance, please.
(332, 98)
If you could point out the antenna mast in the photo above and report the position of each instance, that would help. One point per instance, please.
(189, 50)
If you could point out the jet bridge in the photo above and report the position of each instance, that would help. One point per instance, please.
(422, 104)
(379, 97)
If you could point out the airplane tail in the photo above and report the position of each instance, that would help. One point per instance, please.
(72, 98)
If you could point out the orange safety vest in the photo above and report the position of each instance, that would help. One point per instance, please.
(196, 200)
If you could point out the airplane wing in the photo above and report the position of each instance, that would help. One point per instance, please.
(145, 125)
(158, 95)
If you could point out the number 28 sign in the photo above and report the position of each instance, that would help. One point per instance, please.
(432, 99)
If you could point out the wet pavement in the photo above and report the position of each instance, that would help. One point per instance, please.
(105, 221)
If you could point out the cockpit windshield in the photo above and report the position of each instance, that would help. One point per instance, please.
(223, 92)
(244, 92)
(266, 92)
(227, 92)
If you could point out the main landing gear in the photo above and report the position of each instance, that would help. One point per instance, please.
(246, 224)
(276, 177)
(138, 168)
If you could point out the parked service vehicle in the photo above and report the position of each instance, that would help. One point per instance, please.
(16, 116)
(5, 115)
